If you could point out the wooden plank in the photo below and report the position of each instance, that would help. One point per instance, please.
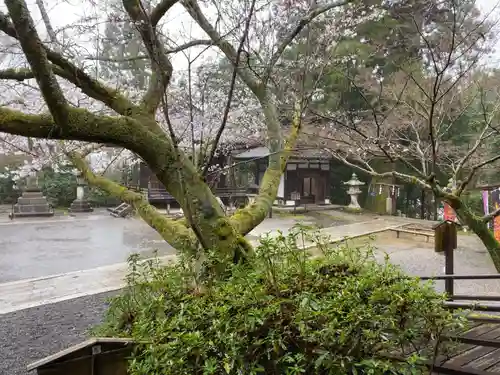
(474, 329)
(484, 318)
(88, 343)
(486, 361)
(471, 326)
(475, 352)
(483, 331)
(495, 343)
(415, 232)
(457, 370)
(480, 330)
(495, 369)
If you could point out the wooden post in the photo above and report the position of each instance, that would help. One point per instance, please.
(449, 245)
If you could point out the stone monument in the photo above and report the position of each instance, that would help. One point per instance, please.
(80, 204)
(354, 191)
(32, 202)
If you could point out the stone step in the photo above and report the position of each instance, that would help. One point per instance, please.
(80, 206)
(32, 208)
(32, 194)
(27, 201)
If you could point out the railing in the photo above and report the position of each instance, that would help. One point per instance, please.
(231, 192)
(449, 285)
(159, 195)
(162, 195)
(453, 298)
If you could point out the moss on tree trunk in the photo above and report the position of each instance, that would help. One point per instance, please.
(479, 227)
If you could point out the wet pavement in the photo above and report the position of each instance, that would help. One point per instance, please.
(39, 247)
(31, 248)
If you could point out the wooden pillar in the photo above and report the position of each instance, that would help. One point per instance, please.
(449, 243)
(257, 171)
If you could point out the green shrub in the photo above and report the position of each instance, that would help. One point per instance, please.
(8, 192)
(474, 200)
(283, 312)
(58, 187)
(101, 198)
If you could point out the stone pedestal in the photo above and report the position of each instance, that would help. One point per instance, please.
(354, 191)
(32, 203)
(80, 204)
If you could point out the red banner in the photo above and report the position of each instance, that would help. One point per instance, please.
(496, 224)
(449, 213)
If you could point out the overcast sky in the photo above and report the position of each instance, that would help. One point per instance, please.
(67, 12)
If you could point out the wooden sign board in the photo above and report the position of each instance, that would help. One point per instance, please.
(105, 355)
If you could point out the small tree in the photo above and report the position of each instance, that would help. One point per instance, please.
(436, 115)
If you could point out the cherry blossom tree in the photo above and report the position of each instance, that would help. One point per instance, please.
(77, 106)
(434, 121)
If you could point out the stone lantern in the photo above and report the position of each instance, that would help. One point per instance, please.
(354, 191)
(80, 204)
(32, 202)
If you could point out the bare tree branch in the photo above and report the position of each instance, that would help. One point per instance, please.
(160, 10)
(369, 170)
(46, 21)
(182, 47)
(479, 141)
(474, 170)
(37, 58)
(162, 67)
(304, 21)
(93, 88)
(494, 214)
(249, 77)
(173, 232)
(231, 90)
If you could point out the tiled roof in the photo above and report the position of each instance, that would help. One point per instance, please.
(300, 152)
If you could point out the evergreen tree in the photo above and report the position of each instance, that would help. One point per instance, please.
(123, 44)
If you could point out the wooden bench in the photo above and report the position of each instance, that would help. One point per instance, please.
(160, 195)
(123, 210)
(398, 231)
(232, 195)
(231, 192)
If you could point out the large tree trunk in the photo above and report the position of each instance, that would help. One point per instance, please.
(210, 227)
(479, 227)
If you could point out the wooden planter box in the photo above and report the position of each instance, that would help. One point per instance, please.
(95, 356)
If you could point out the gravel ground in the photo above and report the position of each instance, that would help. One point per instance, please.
(32, 334)
(420, 259)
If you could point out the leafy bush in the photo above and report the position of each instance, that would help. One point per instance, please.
(59, 187)
(283, 312)
(101, 198)
(8, 192)
(474, 200)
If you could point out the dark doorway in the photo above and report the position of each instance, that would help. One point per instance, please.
(313, 188)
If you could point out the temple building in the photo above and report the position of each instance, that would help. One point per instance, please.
(306, 178)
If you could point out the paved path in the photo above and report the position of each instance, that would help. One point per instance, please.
(23, 294)
(32, 248)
